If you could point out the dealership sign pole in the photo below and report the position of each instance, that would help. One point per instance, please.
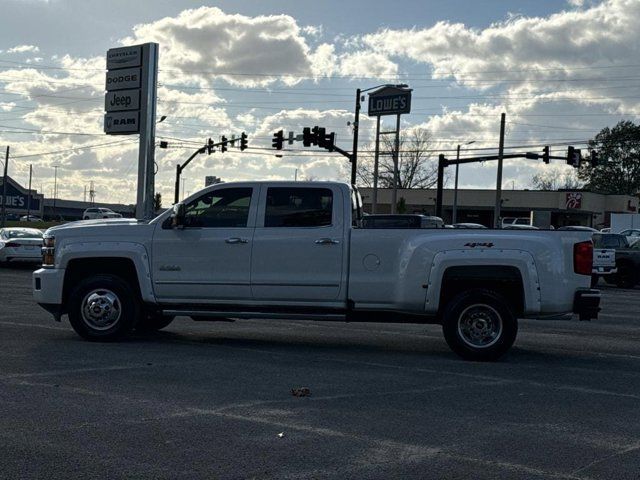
(389, 100)
(130, 105)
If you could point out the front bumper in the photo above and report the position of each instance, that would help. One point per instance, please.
(586, 303)
(47, 289)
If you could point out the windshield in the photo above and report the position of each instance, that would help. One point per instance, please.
(22, 233)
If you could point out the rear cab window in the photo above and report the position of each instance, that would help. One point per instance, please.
(298, 207)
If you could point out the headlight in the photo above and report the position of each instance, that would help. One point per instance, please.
(48, 251)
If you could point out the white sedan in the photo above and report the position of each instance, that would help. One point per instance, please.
(20, 245)
(91, 213)
(632, 234)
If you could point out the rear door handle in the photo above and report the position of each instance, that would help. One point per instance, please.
(236, 240)
(327, 241)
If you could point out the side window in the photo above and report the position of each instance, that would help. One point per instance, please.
(227, 207)
(298, 207)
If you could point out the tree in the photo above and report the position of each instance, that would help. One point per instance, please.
(416, 167)
(551, 181)
(618, 149)
(157, 202)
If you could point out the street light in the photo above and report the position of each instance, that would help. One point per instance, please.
(454, 215)
(356, 125)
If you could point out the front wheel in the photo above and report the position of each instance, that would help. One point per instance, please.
(479, 325)
(103, 307)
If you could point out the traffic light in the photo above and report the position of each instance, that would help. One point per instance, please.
(545, 154)
(330, 141)
(243, 142)
(278, 139)
(306, 137)
(210, 146)
(573, 157)
(223, 146)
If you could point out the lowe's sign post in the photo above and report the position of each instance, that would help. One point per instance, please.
(388, 100)
(130, 106)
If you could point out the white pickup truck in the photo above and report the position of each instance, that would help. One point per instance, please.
(297, 250)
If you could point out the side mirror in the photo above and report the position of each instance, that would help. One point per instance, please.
(178, 215)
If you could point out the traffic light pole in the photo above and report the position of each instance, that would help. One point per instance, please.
(443, 163)
(180, 168)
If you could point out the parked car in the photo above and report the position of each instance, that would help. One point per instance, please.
(515, 221)
(297, 250)
(12, 217)
(628, 264)
(19, 244)
(605, 246)
(516, 226)
(401, 221)
(632, 234)
(91, 213)
(468, 225)
(30, 218)
(577, 228)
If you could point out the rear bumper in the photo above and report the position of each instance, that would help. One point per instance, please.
(586, 303)
(604, 270)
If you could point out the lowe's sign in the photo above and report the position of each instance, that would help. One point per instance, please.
(17, 198)
(389, 101)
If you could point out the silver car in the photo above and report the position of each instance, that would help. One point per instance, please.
(19, 244)
(95, 212)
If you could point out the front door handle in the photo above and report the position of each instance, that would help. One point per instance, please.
(236, 240)
(327, 241)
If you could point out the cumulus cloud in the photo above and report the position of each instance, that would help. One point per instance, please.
(24, 49)
(207, 43)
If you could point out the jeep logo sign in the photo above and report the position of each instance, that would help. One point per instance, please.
(389, 101)
(122, 100)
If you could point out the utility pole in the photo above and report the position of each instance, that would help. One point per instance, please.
(374, 199)
(4, 187)
(396, 175)
(454, 215)
(496, 213)
(29, 195)
(55, 188)
(356, 127)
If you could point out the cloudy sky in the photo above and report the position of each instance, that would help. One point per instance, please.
(561, 70)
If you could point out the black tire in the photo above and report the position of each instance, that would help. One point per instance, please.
(116, 308)
(626, 277)
(610, 279)
(492, 311)
(152, 322)
(594, 280)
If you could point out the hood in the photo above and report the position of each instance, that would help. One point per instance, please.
(98, 222)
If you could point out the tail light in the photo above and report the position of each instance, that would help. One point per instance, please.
(48, 251)
(583, 258)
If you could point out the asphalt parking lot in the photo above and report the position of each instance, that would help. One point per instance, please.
(213, 400)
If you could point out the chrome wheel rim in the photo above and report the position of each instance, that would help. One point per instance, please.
(101, 309)
(480, 326)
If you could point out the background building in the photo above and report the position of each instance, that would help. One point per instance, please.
(19, 198)
(573, 207)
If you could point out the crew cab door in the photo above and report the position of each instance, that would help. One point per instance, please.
(298, 245)
(210, 258)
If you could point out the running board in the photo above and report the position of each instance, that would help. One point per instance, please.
(266, 315)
